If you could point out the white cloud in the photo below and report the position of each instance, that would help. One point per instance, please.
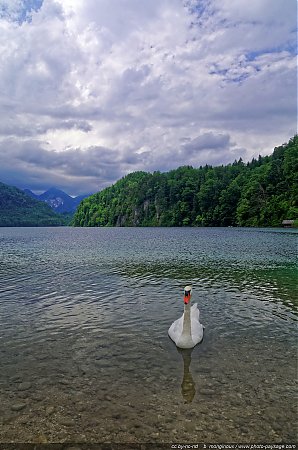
(146, 81)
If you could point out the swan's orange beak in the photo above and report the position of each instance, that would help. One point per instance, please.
(187, 296)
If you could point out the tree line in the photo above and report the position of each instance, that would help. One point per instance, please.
(262, 192)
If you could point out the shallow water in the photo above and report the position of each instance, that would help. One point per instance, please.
(85, 355)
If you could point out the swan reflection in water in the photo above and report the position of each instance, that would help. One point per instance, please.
(187, 332)
(188, 387)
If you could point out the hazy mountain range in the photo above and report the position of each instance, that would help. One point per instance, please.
(58, 200)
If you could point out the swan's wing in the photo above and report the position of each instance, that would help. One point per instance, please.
(195, 312)
(197, 329)
(175, 329)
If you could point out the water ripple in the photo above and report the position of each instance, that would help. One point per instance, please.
(94, 306)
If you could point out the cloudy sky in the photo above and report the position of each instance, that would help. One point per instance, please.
(94, 89)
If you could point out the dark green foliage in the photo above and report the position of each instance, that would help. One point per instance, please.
(263, 192)
(18, 209)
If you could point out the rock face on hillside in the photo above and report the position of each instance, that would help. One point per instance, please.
(19, 209)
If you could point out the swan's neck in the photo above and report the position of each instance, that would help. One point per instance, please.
(186, 321)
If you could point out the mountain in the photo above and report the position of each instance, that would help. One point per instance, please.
(31, 194)
(19, 209)
(263, 192)
(58, 200)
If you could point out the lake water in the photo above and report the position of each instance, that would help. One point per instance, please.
(85, 355)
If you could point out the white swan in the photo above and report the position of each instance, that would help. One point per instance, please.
(187, 331)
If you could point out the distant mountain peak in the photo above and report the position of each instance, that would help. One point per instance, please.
(54, 192)
(58, 200)
(30, 193)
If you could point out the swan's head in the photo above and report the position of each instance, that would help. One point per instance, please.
(187, 294)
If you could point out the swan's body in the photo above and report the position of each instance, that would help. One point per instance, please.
(187, 331)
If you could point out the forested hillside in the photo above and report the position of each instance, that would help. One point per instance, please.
(262, 192)
(19, 209)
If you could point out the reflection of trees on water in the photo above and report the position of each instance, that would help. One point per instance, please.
(188, 387)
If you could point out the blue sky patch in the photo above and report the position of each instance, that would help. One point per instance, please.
(19, 10)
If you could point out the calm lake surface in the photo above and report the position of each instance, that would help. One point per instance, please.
(85, 355)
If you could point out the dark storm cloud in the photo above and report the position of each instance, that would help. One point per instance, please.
(218, 142)
(29, 163)
(28, 128)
